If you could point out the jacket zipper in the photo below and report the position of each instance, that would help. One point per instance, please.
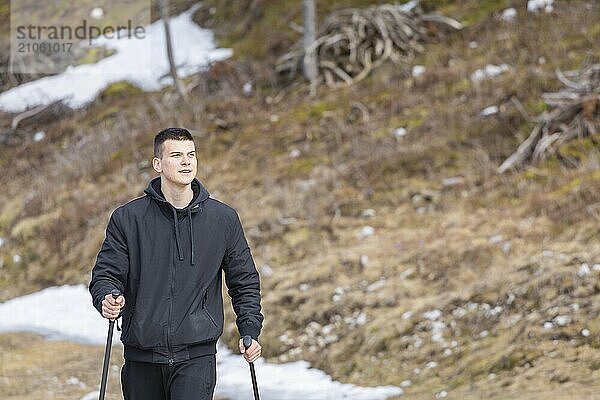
(172, 284)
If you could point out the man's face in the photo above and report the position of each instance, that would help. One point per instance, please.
(178, 164)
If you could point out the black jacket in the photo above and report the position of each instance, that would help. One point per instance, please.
(167, 262)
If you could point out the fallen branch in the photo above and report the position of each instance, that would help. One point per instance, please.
(353, 42)
(576, 114)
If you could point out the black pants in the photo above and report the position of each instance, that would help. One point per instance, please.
(194, 379)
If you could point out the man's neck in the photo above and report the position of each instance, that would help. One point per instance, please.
(178, 196)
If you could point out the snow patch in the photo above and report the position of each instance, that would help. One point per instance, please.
(75, 319)
(141, 62)
(540, 5)
(489, 71)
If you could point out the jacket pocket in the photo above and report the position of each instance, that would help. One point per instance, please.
(206, 311)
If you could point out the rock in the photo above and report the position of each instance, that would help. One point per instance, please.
(418, 70)
(486, 112)
(562, 320)
(548, 325)
(431, 365)
(407, 315)
(473, 45)
(493, 312)
(459, 312)
(90, 396)
(432, 315)
(452, 181)
(366, 231)
(97, 13)
(295, 153)
(539, 5)
(356, 320)
(266, 271)
(364, 261)
(406, 383)
(489, 71)
(368, 213)
(584, 270)
(247, 88)
(496, 239)
(547, 253)
(338, 294)
(509, 14)
(441, 394)
(585, 332)
(376, 285)
(39, 136)
(399, 133)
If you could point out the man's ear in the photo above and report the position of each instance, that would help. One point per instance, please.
(156, 165)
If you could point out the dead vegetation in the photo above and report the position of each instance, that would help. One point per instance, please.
(353, 42)
(575, 114)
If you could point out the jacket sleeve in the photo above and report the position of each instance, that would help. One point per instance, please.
(243, 282)
(112, 264)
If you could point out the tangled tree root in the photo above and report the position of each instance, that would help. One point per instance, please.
(353, 42)
(575, 114)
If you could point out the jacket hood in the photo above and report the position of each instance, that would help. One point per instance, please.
(200, 195)
(200, 192)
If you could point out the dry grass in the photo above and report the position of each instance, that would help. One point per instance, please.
(301, 171)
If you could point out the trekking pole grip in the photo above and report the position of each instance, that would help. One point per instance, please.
(115, 294)
(247, 341)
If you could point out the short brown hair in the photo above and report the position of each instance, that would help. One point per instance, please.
(169, 134)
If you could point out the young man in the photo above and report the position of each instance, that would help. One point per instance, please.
(165, 252)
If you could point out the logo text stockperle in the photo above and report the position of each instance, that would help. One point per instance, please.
(82, 32)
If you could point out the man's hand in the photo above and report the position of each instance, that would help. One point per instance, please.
(111, 308)
(253, 352)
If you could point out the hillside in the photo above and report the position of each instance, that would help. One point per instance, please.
(376, 267)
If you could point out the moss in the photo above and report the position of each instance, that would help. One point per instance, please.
(299, 167)
(539, 107)
(312, 112)
(119, 89)
(580, 148)
(104, 114)
(94, 54)
(458, 87)
(574, 184)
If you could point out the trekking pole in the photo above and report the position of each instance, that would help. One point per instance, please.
(111, 323)
(247, 340)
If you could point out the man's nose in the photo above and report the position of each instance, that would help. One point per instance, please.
(185, 160)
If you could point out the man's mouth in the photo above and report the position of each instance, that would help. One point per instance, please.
(186, 171)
